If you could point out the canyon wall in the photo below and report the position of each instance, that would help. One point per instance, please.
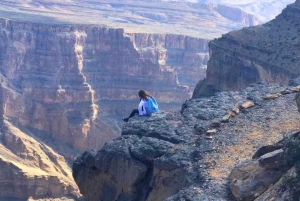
(33, 169)
(41, 67)
(54, 80)
(265, 53)
(57, 75)
(185, 56)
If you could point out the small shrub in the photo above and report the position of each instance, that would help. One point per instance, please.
(293, 159)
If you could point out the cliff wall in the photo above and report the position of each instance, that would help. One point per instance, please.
(184, 55)
(58, 75)
(54, 80)
(30, 168)
(189, 155)
(269, 53)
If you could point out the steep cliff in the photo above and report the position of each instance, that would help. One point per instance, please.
(189, 155)
(59, 78)
(44, 84)
(60, 73)
(269, 52)
(185, 56)
(53, 79)
(32, 169)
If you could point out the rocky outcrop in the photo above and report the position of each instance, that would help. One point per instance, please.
(59, 78)
(266, 177)
(31, 169)
(251, 179)
(54, 77)
(189, 155)
(263, 53)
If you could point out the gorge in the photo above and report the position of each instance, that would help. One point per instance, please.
(228, 140)
(66, 74)
(267, 53)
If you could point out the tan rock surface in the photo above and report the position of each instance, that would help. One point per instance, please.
(32, 169)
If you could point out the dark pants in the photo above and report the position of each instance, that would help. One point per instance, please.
(134, 111)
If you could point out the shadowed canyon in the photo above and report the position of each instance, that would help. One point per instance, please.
(69, 71)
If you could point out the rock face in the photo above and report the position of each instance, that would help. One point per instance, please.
(30, 168)
(176, 156)
(251, 179)
(53, 79)
(58, 75)
(58, 81)
(263, 53)
(267, 175)
(182, 55)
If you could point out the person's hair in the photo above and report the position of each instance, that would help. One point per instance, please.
(143, 94)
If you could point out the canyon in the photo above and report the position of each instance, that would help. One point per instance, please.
(67, 71)
(266, 53)
(221, 145)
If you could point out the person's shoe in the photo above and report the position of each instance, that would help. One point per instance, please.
(125, 119)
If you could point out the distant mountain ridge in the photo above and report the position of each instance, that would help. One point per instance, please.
(183, 18)
(264, 10)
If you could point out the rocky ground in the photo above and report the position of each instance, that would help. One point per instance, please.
(189, 155)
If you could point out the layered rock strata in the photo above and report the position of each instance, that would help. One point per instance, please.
(188, 155)
(58, 75)
(269, 52)
(54, 77)
(32, 169)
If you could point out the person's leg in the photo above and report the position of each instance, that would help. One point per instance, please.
(134, 111)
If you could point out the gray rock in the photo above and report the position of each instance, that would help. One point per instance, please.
(215, 123)
(266, 149)
(88, 158)
(162, 157)
(271, 160)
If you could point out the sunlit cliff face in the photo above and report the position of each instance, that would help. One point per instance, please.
(266, 53)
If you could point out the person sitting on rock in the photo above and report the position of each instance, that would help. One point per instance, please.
(147, 106)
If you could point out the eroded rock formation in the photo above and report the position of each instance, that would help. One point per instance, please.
(54, 77)
(189, 155)
(269, 52)
(30, 168)
(58, 75)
